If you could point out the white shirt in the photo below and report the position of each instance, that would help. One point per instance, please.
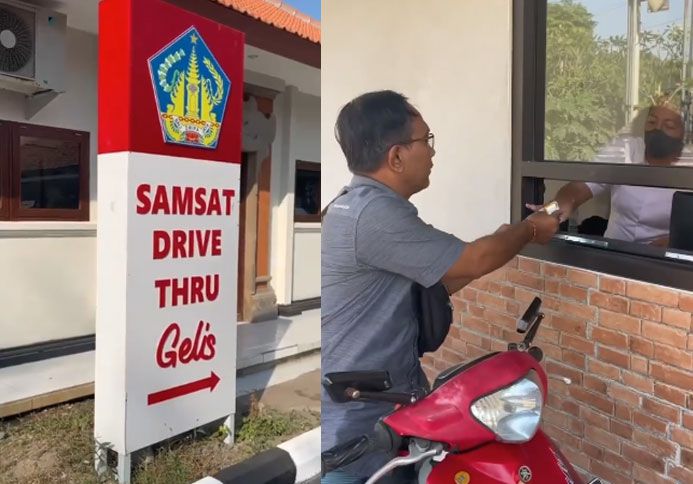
(638, 214)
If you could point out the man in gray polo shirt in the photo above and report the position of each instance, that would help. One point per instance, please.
(374, 246)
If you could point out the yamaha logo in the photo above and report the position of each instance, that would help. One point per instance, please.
(462, 477)
(525, 474)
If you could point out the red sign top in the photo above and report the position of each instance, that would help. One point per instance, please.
(172, 108)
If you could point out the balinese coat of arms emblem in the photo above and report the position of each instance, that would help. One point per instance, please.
(191, 91)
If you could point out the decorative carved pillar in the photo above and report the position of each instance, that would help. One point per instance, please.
(257, 300)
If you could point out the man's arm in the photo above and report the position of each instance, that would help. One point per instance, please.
(488, 253)
(454, 285)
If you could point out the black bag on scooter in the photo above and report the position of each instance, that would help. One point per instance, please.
(434, 311)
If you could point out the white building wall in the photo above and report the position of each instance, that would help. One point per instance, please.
(453, 60)
(306, 120)
(306, 78)
(306, 274)
(298, 138)
(47, 284)
(281, 238)
(306, 250)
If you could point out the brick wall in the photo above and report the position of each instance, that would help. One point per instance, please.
(627, 346)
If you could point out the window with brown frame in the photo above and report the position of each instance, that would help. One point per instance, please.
(307, 194)
(44, 173)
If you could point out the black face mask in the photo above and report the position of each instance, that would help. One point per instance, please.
(659, 145)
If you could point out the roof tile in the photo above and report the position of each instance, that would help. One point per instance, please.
(278, 14)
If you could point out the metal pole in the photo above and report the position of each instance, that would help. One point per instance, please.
(686, 99)
(633, 60)
(687, 39)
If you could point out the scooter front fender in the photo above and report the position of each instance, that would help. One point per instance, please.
(537, 462)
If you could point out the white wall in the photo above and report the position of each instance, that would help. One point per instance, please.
(306, 147)
(298, 138)
(304, 77)
(47, 284)
(47, 287)
(453, 60)
(306, 274)
(305, 144)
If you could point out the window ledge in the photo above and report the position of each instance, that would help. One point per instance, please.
(47, 229)
(307, 225)
(663, 272)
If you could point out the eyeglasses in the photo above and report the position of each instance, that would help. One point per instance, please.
(430, 140)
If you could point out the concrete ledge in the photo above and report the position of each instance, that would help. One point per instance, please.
(295, 461)
(46, 399)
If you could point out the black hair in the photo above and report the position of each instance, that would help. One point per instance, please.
(369, 125)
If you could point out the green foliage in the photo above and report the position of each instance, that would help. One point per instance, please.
(262, 424)
(586, 79)
(222, 432)
(57, 445)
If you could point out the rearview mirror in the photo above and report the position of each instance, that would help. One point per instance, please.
(530, 315)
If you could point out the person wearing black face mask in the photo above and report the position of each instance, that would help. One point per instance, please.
(638, 214)
(663, 135)
(661, 146)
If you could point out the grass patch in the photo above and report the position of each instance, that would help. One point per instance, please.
(56, 445)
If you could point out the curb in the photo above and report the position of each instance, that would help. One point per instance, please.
(295, 461)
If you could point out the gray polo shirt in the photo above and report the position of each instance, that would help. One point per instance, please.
(373, 246)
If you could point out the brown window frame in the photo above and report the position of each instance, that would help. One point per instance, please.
(308, 166)
(10, 165)
(5, 172)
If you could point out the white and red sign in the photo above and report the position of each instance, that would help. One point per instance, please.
(172, 254)
(167, 235)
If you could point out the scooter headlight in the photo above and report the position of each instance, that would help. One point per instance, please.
(513, 413)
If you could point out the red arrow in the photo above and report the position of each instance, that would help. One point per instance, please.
(192, 387)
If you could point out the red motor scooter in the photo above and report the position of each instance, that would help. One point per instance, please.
(479, 424)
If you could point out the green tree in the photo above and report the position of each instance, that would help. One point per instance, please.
(661, 62)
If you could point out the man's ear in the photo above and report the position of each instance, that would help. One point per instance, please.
(394, 162)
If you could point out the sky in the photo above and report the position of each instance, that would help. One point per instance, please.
(612, 15)
(309, 7)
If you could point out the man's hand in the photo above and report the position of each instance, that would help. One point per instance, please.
(661, 242)
(565, 210)
(544, 227)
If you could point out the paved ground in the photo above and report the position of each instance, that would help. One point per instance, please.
(299, 393)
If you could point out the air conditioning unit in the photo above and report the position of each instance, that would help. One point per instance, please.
(32, 48)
